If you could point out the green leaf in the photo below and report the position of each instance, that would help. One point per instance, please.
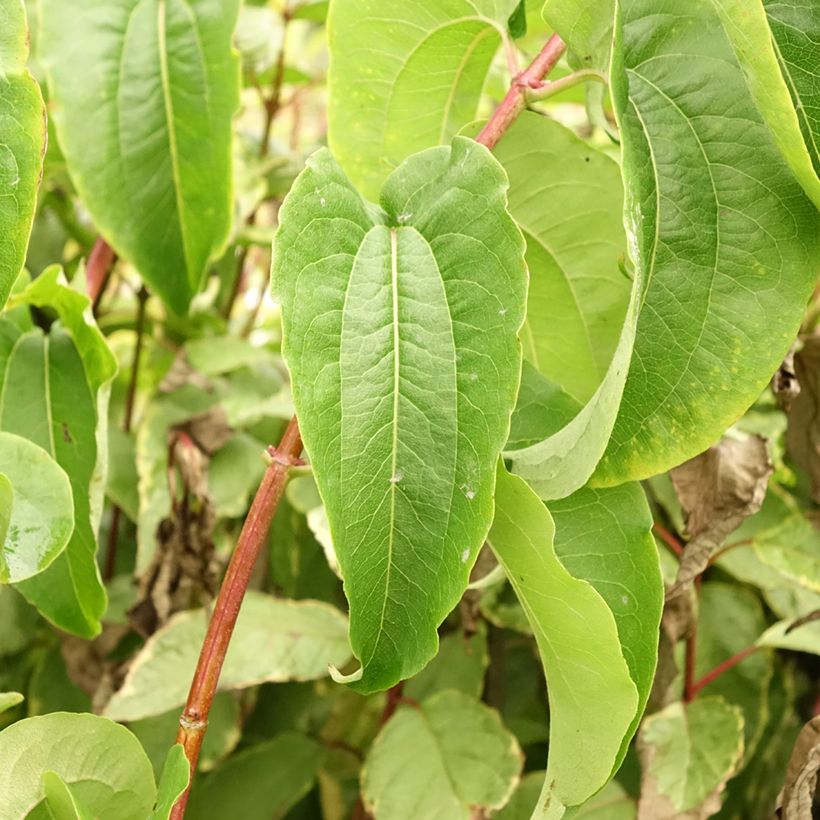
(593, 700)
(176, 775)
(605, 537)
(517, 23)
(61, 802)
(400, 326)
(55, 393)
(446, 757)
(586, 28)
(777, 96)
(274, 640)
(22, 143)
(784, 635)
(688, 753)
(412, 72)
(8, 700)
(722, 234)
(791, 549)
(41, 511)
(578, 295)
(101, 763)
(156, 178)
(260, 783)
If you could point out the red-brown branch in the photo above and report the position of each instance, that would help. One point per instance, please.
(194, 720)
(97, 270)
(720, 669)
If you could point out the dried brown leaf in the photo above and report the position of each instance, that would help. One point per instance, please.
(803, 435)
(797, 798)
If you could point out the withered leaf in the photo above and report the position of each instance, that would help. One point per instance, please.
(797, 798)
(717, 490)
(785, 384)
(803, 434)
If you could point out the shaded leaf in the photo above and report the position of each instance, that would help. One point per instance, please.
(8, 700)
(405, 364)
(41, 509)
(721, 232)
(260, 783)
(717, 490)
(446, 757)
(61, 802)
(274, 640)
(412, 72)
(22, 143)
(580, 648)
(794, 635)
(799, 791)
(776, 79)
(688, 752)
(100, 762)
(156, 178)
(176, 774)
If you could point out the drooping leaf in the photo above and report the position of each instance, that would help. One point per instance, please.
(717, 490)
(274, 640)
(176, 775)
(405, 364)
(688, 752)
(260, 783)
(799, 791)
(604, 537)
(724, 235)
(100, 762)
(412, 72)
(445, 758)
(778, 64)
(593, 699)
(788, 635)
(22, 143)
(157, 177)
(41, 509)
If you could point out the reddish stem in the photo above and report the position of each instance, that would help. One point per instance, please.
(194, 720)
(720, 669)
(668, 538)
(516, 100)
(98, 269)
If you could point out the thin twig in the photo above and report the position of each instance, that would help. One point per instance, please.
(194, 720)
(720, 669)
(98, 271)
(668, 538)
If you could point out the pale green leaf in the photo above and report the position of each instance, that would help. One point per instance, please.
(176, 775)
(593, 700)
(443, 759)
(6, 505)
(101, 763)
(723, 235)
(757, 51)
(41, 509)
(142, 96)
(22, 143)
(400, 332)
(783, 635)
(274, 640)
(585, 27)
(604, 537)
(260, 783)
(688, 752)
(61, 802)
(792, 549)
(8, 700)
(578, 295)
(411, 72)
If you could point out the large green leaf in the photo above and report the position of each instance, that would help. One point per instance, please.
(593, 700)
(581, 318)
(726, 238)
(405, 76)
(55, 393)
(400, 331)
(143, 92)
(689, 751)
(795, 48)
(22, 143)
(604, 537)
(445, 758)
(101, 763)
(42, 510)
(274, 640)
